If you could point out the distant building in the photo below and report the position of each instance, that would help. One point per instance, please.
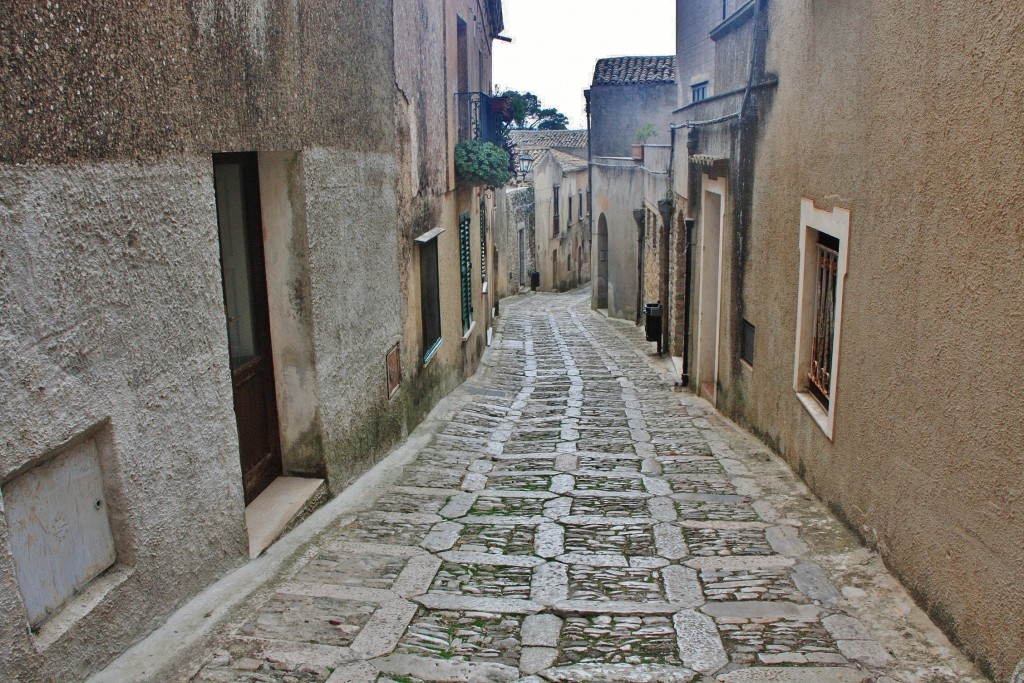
(561, 190)
(559, 258)
(629, 177)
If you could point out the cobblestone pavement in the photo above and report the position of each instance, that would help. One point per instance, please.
(578, 520)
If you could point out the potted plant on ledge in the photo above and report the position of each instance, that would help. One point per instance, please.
(482, 163)
(642, 135)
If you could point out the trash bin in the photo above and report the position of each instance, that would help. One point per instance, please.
(652, 322)
(534, 280)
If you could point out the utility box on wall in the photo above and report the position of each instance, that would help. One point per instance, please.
(59, 528)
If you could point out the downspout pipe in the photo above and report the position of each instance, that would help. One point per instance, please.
(685, 379)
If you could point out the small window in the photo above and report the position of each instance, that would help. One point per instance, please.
(430, 299)
(554, 225)
(569, 203)
(581, 204)
(699, 91)
(747, 347)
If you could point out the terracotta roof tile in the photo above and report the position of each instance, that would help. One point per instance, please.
(546, 139)
(635, 70)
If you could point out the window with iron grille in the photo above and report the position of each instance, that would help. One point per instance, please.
(819, 376)
(824, 244)
(554, 225)
(465, 272)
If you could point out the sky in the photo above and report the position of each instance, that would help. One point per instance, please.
(557, 42)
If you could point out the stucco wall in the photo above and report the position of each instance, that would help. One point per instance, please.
(350, 209)
(617, 192)
(695, 52)
(113, 307)
(617, 112)
(113, 313)
(872, 114)
(91, 81)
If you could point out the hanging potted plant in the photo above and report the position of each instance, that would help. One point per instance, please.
(642, 136)
(482, 163)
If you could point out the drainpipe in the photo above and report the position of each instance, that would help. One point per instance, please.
(686, 309)
(665, 209)
(638, 216)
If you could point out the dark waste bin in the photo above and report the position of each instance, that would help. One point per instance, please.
(652, 323)
(534, 280)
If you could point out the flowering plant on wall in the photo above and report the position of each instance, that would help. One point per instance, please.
(482, 163)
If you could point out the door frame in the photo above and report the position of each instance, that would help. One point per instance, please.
(715, 186)
(254, 238)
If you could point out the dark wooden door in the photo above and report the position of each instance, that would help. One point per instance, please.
(240, 226)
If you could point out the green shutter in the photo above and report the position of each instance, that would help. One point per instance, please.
(465, 272)
(483, 241)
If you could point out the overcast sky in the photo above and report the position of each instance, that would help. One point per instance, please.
(556, 43)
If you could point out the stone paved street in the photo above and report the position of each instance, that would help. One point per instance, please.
(576, 519)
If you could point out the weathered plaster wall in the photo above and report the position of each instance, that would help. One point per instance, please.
(426, 76)
(286, 252)
(617, 112)
(113, 307)
(515, 210)
(113, 312)
(356, 302)
(871, 114)
(100, 80)
(695, 52)
(618, 191)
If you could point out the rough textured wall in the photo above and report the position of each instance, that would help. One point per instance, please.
(617, 112)
(872, 114)
(523, 212)
(113, 305)
(617, 192)
(652, 246)
(425, 64)
(695, 52)
(732, 52)
(90, 80)
(286, 252)
(350, 203)
(113, 312)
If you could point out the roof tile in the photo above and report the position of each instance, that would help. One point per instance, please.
(635, 70)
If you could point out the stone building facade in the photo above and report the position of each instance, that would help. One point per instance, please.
(626, 95)
(211, 279)
(515, 238)
(559, 258)
(561, 189)
(853, 263)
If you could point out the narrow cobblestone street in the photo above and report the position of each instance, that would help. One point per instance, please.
(579, 520)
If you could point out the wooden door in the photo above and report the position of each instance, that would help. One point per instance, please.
(240, 226)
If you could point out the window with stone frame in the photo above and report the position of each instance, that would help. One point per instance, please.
(554, 203)
(824, 244)
(430, 297)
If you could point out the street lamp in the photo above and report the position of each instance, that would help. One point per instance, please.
(525, 164)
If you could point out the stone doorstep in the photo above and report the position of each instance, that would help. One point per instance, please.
(281, 507)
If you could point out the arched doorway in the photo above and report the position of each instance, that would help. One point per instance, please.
(602, 262)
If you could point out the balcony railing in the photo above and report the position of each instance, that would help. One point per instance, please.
(480, 117)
